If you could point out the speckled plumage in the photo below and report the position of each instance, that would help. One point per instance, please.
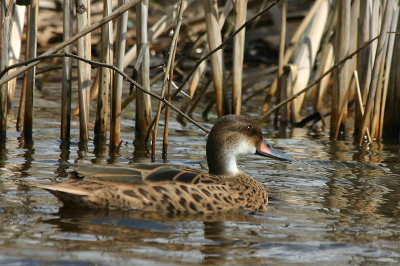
(161, 187)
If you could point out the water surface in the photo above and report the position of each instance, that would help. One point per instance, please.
(334, 204)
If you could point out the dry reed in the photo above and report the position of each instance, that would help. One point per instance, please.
(17, 27)
(364, 19)
(84, 70)
(282, 42)
(105, 77)
(341, 75)
(116, 91)
(217, 63)
(116, 13)
(375, 72)
(5, 32)
(200, 70)
(32, 33)
(143, 104)
(238, 54)
(67, 73)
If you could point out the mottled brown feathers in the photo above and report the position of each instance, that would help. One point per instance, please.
(162, 189)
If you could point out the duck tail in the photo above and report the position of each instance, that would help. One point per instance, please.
(68, 194)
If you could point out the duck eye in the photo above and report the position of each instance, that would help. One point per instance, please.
(249, 129)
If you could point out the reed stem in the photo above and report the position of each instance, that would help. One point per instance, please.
(388, 69)
(238, 55)
(116, 92)
(84, 70)
(106, 56)
(143, 103)
(341, 78)
(5, 33)
(167, 109)
(28, 115)
(282, 44)
(17, 26)
(214, 41)
(67, 73)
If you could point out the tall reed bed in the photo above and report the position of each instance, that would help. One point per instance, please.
(332, 52)
(337, 29)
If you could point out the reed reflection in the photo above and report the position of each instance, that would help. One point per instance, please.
(27, 145)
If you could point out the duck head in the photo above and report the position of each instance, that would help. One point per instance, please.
(232, 137)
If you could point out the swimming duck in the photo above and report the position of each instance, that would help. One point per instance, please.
(163, 187)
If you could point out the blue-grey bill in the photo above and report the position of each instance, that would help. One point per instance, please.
(267, 151)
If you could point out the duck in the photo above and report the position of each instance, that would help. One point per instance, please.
(160, 187)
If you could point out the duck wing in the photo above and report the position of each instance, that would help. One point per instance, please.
(137, 174)
(152, 187)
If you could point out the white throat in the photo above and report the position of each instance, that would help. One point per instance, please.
(232, 155)
(230, 165)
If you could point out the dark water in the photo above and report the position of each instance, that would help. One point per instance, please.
(333, 205)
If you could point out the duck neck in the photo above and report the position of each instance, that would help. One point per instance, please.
(222, 164)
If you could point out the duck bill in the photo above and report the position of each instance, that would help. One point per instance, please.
(267, 151)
